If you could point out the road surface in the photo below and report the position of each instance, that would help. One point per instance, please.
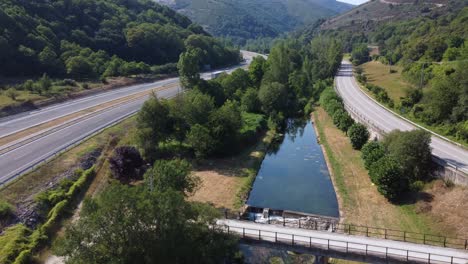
(348, 243)
(385, 120)
(13, 163)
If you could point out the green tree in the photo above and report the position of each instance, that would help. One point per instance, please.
(390, 179)
(371, 152)
(273, 97)
(257, 69)
(189, 67)
(174, 174)
(342, 120)
(358, 135)
(133, 225)
(12, 93)
(412, 150)
(44, 84)
(235, 83)
(80, 67)
(249, 101)
(225, 124)
(360, 54)
(154, 125)
(200, 139)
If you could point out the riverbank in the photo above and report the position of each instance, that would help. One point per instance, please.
(360, 202)
(226, 182)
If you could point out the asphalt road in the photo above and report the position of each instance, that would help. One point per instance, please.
(418, 253)
(387, 121)
(17, 161)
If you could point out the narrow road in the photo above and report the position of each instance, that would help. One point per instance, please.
(17, 161)
(385, 120)
(349, 243)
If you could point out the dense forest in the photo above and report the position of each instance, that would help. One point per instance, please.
(91, 38)
(244, 20)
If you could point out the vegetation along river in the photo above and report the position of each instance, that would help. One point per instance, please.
(294, 176)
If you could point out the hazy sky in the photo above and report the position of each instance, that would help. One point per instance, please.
(354, 2)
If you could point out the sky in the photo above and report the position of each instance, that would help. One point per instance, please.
(354, 2)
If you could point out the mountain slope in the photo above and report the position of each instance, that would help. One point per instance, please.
(79, 37)
(247, 19)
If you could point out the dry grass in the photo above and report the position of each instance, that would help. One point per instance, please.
(379, 74)
(362, 204)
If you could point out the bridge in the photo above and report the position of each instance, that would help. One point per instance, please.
(325, 244)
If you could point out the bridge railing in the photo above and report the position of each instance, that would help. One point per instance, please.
(361, 230)
(387, 253)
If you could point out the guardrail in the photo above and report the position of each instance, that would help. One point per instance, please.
(363, 119)
(360, 230)
(387, 253)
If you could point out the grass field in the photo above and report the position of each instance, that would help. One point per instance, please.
(360, 202)
(379, 74)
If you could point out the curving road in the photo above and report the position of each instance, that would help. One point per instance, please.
(387, 121)
(19, 160)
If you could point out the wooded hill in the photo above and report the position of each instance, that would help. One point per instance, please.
(90, 38)
(246, 19)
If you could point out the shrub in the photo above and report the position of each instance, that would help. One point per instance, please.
(12, 93)
(342, 120)
(387, 174)
(332, 106)
(6, 210)
(126, 164)
(358, 135)
(201, 141)
(371, 152)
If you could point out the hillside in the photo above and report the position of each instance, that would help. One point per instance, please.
(88, 38)
(247, 19)
(367, 16)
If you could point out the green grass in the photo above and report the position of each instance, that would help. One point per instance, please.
(12, 242)
(337, 168)
(379, 74)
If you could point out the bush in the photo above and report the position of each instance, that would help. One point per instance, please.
(6, 210)
(332, 106)
(12, 93)
(387, 174)
(126, 164)
(342, 120)
(252, 124)
(201, 141)
(371, 152)
(358, 135)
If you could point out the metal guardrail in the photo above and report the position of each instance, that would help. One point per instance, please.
(388, 253)
(361, 230)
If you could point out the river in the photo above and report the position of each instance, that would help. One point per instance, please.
(294, 175)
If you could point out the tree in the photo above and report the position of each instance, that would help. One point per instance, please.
(126, 164)
(80, 67)
(360, 54)
(358, 135)
(200, 139)
(126, 224)
(342, 120)
(43, 84)
(390, 179)
(371, 152)
(249, 101)
(173, 174)
(225, 124)
(189, 67)
(12, 93)
(412, 150)
(235, 83)
(273, 97)
(154, 125)
(257, 69)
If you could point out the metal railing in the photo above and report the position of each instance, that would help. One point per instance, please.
(361, 230)
(387, 253)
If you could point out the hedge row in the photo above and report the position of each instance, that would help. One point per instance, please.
(41, 235)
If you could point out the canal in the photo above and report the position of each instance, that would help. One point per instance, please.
(294, 176)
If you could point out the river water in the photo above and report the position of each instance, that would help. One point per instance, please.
(294, 176)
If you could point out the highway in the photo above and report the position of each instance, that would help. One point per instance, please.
(18, 160)
(380, 117)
